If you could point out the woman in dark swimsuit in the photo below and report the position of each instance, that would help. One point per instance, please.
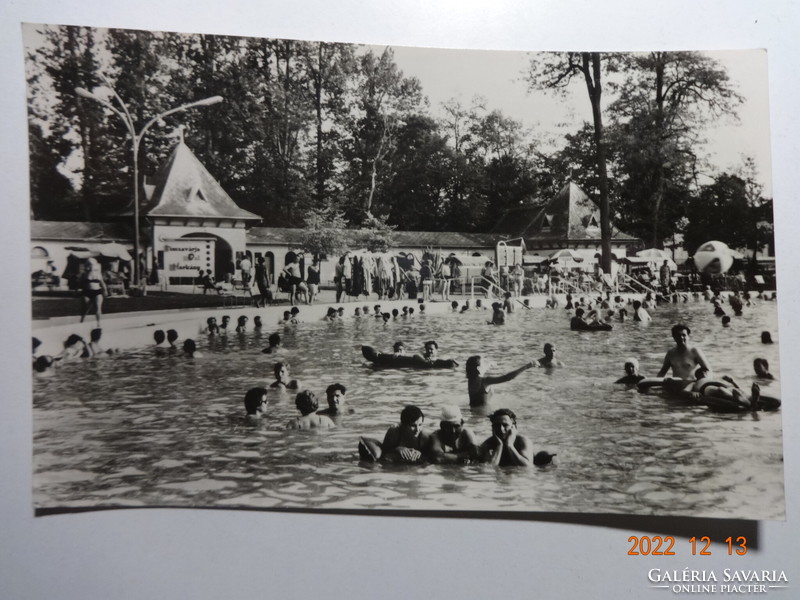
(94, 290)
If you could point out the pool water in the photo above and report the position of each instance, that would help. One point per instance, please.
(146, 428)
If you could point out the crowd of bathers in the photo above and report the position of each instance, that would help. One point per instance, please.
(691, 378)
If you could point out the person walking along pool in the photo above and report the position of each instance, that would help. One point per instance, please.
(262, 283)
(94, 290)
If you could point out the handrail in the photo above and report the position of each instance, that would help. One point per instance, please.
(630, 280)
(491, 285)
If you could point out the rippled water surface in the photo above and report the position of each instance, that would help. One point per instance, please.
(143, 428)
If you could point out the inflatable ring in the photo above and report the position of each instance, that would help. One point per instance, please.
(390, 361)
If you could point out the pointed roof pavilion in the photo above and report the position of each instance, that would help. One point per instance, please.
(184, 189)
(570, 217)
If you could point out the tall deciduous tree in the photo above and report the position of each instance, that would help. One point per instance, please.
(664, 101)
(554, 72)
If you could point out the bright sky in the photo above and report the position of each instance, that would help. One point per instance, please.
(498, 77)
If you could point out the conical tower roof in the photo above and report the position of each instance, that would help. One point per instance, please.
(185, 189)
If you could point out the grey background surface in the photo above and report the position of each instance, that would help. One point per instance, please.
(215, 553)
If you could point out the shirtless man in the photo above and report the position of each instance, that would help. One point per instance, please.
(549, 359)
(452, 443)
(307, 403)
(405, 442)
(336, 401)
(282, 379)
(506, 447)
(683, 359)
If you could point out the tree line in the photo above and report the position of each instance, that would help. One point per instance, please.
(318, 133)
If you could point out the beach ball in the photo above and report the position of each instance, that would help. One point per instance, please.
(713, 257)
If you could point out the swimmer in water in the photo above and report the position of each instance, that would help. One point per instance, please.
(307, 403)
(639, 313)
(282, 379)
(632, 376)
(172, 337)
(724, 394)
(241, 324)
(498, 316)
(478, 382)
(257, 324)
(506, 447)
(357, 313)
(223, 327)
(549, 360)
(211, 326)
(761, 368)
(190, 349)
(683, 359)
(399, 349)
(74, 347)
(508, 305)
(452, 443)
(766, 337)
(159, 337)
(337, 403)
(406, 442)
(255, 403)
(274, 344)
(287, 318)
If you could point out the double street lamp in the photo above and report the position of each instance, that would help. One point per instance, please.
(136, 139)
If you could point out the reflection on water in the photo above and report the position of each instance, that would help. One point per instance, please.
(146, 429)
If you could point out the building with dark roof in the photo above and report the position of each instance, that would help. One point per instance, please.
(570, 220)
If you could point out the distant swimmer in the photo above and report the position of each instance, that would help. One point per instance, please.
(498, 315)
(632, 375)
(307, 403)
(255, 403)
(506, 447)
(159, 336)
(282, 379)
(337, 403)
(223, 327)
(74, 347)
(241, 324)
(766, 337)
(478, 382)
(274, 344)
(761, 368)
(639, 313)
(452, 442)
(683, 359)
(257, 324)
(190, 349)
(211, 326)
(549, 359)
(172, 337)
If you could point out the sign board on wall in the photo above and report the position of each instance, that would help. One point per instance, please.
(184, 258)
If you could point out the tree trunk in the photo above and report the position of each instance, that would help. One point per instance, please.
(592, 74)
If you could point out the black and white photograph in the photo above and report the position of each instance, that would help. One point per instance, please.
(282, 274)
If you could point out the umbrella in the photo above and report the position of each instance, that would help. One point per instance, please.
(566, 254)
(654, 254)
(114, 250)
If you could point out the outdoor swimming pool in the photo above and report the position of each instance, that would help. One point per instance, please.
(145, 429)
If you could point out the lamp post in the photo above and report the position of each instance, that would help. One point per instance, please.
(136, 139)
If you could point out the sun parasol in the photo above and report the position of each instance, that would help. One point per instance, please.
(114, 250)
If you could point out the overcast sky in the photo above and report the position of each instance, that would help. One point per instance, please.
(498, 77)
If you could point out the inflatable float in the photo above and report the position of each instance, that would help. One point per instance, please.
(578, 325)
(391, 361)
